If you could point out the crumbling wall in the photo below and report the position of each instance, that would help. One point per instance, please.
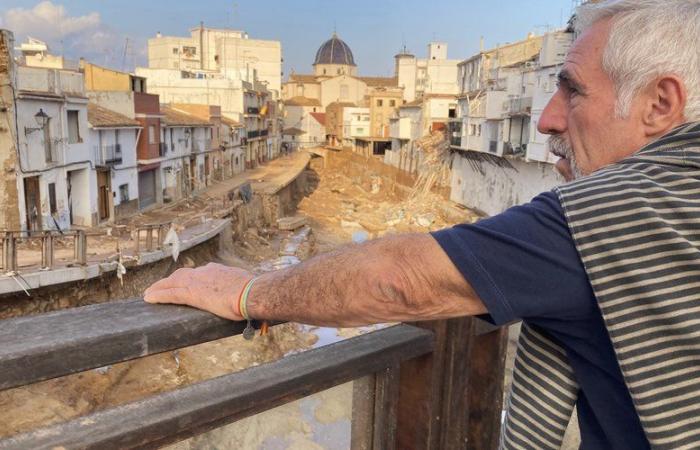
(9, 207)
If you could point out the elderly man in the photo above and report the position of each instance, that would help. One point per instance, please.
(604, 271)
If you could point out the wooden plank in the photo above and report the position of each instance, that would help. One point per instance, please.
(35, 348)
(419, 411)
(449, 399)
(362, 425)
(176, 415)
(456, 383)
(385, 407)
(486, 371)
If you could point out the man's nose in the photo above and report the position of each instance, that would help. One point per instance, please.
(553, 118)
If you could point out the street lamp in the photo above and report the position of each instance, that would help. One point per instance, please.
(41, 118)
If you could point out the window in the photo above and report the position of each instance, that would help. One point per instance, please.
(175, 51)
(360, 130)
(189, 51)
(73, 127)
(117, 147)
(380, 102)
(344, 91)
(172, 140)
(124, 193)
(52, 199)
(392, 103)
(151, 134)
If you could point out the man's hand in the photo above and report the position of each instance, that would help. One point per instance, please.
(214, 288)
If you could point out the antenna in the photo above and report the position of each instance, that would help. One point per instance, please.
(126, 49)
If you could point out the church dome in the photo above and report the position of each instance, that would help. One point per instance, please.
(334, 51)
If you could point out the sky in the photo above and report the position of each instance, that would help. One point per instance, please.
(375, 30)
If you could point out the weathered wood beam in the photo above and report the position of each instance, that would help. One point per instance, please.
(39, 347)
(165, 418)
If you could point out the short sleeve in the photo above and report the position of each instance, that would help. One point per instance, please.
(522, 263)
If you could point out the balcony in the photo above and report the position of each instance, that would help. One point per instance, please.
(520, 106)
(252, 110)
(108, 155)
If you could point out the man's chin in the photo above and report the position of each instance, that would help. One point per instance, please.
(563, 166)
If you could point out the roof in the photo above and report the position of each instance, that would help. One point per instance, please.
(334, 51)
(341, 105)
(175, 118)
(320, 117)
(380, 81)
(415, 103)
(293, 132)
(300, 78)
(302, 101)
(100, 117)
(231, 122)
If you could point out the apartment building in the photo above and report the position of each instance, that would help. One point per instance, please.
(356, 126)
(435, 74)
(382, 104)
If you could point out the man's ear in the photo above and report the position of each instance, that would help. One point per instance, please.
(665, 102)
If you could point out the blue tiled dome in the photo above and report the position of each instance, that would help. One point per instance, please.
(334, 51)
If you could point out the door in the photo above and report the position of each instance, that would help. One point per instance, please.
(32, 203)
(147, 188)
(103, 193)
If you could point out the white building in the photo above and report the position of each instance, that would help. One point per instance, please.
(232, 139)
(435, 74)
(56, 179)
(113, 138)
(229, 52)
(186, 151)
(356, 125)
(501, 160)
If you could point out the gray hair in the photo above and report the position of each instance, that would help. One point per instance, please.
(649, 38)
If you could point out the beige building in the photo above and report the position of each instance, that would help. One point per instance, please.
(229, 52)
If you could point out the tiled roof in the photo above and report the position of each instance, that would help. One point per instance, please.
(299, 78)
(334, 51)
(231, 122)
(175, 118)
(293, 132)
(302, 101)
(320, 117)
(100, 117)
(414, 103)
(341, 104)
(380, 81)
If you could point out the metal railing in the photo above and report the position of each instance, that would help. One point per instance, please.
(519, 105)
(11, 240)
(151, 237)
(107, 155)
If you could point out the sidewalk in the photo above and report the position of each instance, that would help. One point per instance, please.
(185, 214)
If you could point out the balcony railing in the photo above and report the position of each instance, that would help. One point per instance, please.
(252, 110)
(108, 155)
(432, 385)
(519, 106)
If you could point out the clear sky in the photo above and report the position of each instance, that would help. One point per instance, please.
(375, 30)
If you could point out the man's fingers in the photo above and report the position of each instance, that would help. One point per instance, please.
(176, 280)
(178, 295)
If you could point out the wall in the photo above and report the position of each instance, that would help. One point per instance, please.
(100, 79)
(121, 102)
(497, 189)
(331, 90)
(9, 196)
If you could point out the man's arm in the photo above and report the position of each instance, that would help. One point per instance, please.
(399, 278)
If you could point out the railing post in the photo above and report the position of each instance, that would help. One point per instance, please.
(446, 396)
(9, 252)
(80, 248)
(149, 238)
(47, 250)
(161, 235)
(138, 241)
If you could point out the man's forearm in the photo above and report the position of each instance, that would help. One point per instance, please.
(401, 278)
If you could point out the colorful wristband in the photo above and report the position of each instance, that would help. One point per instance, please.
(243, 299)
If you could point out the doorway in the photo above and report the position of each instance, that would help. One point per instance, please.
(32, 203)
(104, 190)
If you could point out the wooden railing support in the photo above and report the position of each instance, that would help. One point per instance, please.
(47, 250)
(9, 252)
(446, 395)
